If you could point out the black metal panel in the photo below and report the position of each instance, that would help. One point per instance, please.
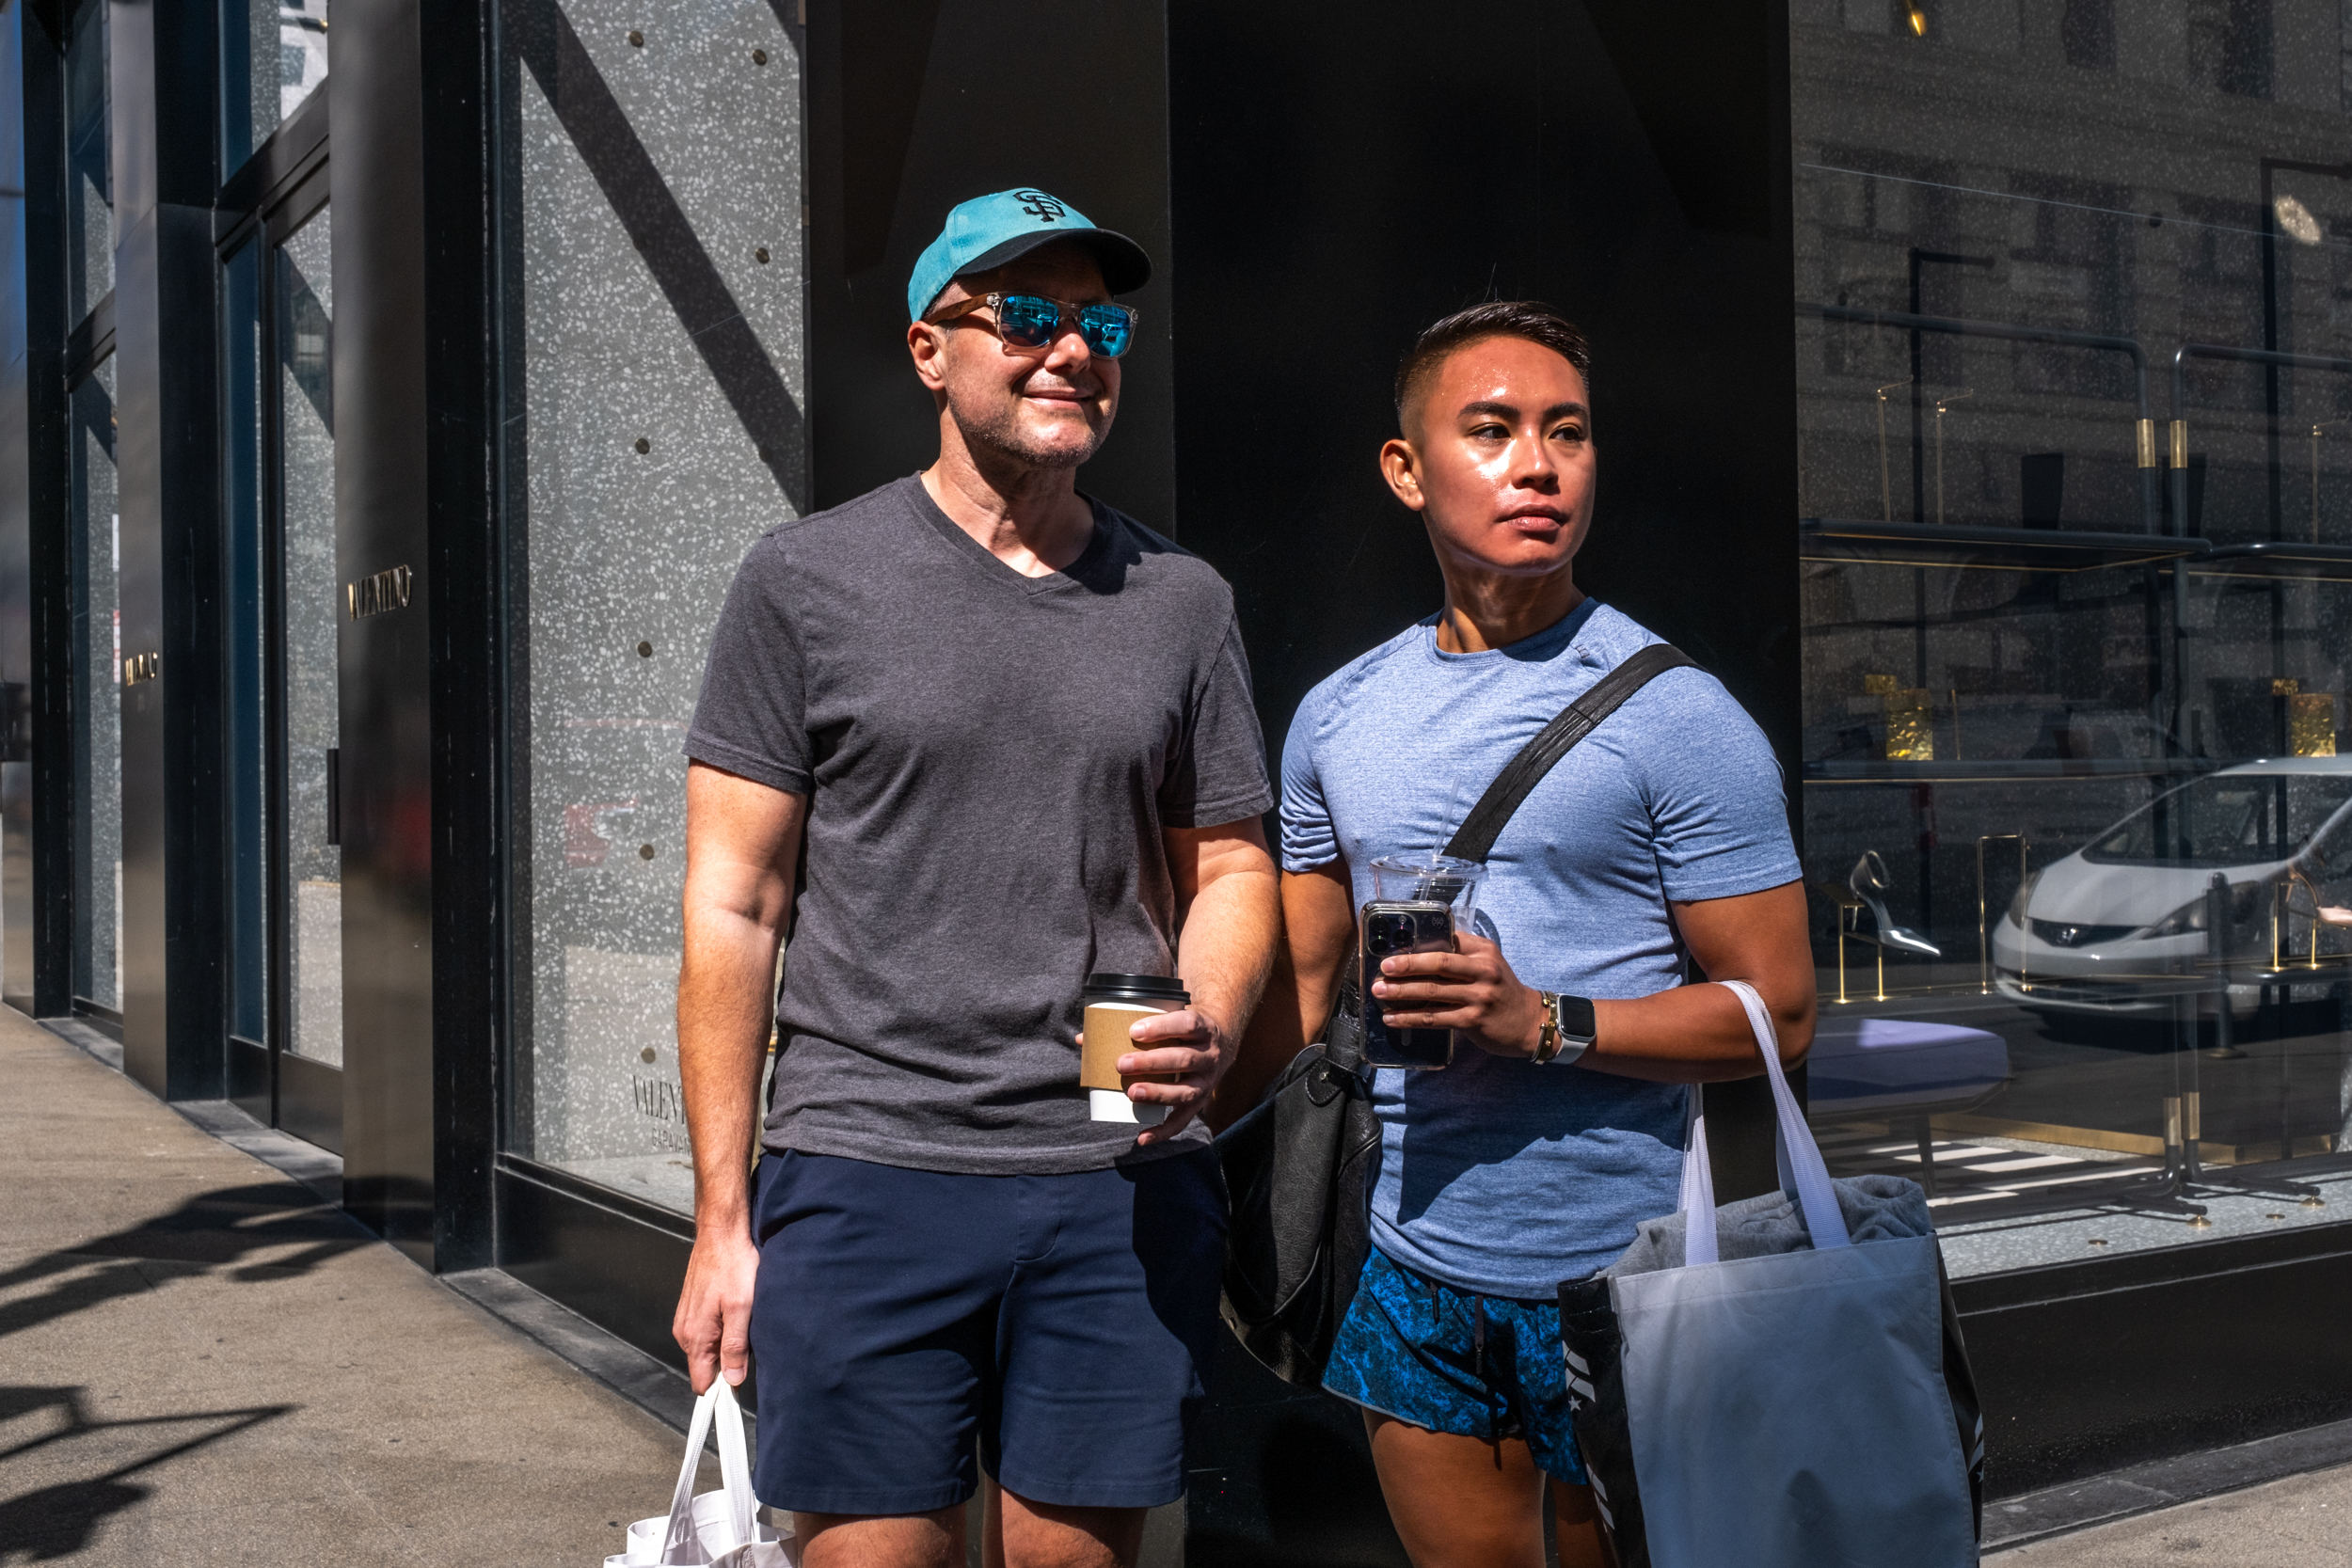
(1334, 193)
(168, 453)
(2165, 1353)
(37, 761)
(387, 737)
(895, 141)
(250, 1085)
(309, 1099)
(139, 406)
(461, 581)
(614, 1263)
(292, 151)
(1278, 1477)
(47, 489)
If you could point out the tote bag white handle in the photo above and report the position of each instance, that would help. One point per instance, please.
(682, 1543)
(1800, 1155)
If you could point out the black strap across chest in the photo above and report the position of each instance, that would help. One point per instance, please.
(1475, 839)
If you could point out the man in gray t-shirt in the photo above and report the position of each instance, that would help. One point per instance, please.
(1001, 737)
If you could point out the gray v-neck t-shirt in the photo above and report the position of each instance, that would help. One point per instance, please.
(990, 760)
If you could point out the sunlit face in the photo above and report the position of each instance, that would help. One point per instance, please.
(1047, 408)
(1497, 458)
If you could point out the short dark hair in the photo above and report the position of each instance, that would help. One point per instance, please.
(1530, 319)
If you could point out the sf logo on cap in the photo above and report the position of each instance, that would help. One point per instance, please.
(1039, 205)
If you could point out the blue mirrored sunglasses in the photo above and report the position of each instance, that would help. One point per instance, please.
(1030, 323)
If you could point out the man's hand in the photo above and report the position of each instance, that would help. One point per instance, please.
(1189, 1043)
(713, 1324)
(1472, 993)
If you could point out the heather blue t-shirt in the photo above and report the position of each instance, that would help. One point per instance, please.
(1496, 1176)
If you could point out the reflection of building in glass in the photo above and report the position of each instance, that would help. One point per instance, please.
(2049, 590)
(301, 52)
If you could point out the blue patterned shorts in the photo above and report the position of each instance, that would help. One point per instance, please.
(1447, 1360)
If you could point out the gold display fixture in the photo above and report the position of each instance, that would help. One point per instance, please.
(2315, 429)
(1886, 482)
(1941, 405)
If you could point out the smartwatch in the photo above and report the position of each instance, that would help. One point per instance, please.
(1568, 1028)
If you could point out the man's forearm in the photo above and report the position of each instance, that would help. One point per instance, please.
(724, 1013)
(1694, 1034)
(1226, 949)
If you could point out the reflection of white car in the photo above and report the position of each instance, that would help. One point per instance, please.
(2116, 926)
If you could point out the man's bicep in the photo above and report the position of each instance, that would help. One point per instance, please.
(1198, 856)
(743, 843)
(1760, 937)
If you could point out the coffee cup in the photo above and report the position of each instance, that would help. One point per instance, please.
(1115, 1004)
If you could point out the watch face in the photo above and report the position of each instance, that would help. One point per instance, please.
(1575, 1019)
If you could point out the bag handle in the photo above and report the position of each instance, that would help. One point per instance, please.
(1475, 839)
(682, 1543)
(1800, 1156)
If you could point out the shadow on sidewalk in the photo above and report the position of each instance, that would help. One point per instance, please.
(58, 1521)
(213, 1231)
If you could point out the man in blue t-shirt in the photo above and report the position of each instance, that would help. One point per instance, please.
(1662, 837)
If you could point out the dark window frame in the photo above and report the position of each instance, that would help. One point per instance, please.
(281, 188)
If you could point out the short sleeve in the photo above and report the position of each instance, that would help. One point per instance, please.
(1219, 774)
(1715, 794)
(1308, 838)
(752, 717)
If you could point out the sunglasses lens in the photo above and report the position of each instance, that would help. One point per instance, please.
(1108, 329)
(1027, 322)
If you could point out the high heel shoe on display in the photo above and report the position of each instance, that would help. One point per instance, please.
(1869, 881)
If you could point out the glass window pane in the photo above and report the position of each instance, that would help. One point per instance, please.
(97, 696)
(272, 55)
(2078, 836)
(633, 488)
(312, 891)
(248, 764)
(91, 214)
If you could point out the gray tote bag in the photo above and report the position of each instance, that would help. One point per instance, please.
(1801, 1406)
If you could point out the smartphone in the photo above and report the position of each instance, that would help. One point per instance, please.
(1390, 929)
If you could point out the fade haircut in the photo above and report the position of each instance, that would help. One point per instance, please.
(1532, 320)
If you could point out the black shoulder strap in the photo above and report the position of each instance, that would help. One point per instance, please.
(1476, 837)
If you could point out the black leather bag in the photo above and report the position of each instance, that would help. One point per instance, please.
(1299, 1166)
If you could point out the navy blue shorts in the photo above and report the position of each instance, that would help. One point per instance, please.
(1066, 1322)
(1448, 1360)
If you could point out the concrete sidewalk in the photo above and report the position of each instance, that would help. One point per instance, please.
(203, 1363)
(2302, 1522)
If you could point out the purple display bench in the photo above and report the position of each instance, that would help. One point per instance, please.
(1900, 1069)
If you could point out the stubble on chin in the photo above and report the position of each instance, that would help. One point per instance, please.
(998, 432)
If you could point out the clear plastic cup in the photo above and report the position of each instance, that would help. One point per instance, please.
(1430, 878)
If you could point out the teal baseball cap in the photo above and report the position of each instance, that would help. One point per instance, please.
(989, 230)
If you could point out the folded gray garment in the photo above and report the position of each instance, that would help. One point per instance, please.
(1876, 1209)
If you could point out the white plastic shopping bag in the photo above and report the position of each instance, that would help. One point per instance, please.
(717, 1529)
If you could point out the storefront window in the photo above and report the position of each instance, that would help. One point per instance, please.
(246, 611)
(312, 894)
(96, 545)
(2075, 441)
(273, 55)
(90, 231)
(653, 350)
